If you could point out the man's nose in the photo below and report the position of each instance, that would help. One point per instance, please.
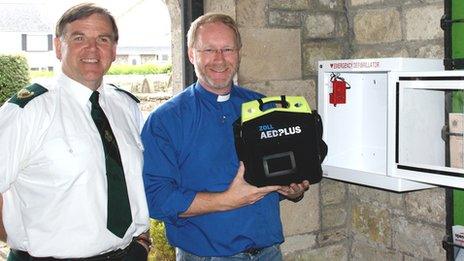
(219, 54)
(91, 43)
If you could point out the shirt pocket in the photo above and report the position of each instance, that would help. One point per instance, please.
(70, 160)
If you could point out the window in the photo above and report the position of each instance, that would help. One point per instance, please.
(37, 42)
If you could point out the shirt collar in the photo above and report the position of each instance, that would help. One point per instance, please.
(212, 97)
(77, 90)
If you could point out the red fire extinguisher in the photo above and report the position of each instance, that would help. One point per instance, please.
(339, 86)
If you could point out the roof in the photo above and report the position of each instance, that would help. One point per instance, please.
(24, 17)
(140, 22)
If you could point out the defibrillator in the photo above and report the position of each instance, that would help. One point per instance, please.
(279, 139)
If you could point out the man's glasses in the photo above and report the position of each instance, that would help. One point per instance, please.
(223, 51)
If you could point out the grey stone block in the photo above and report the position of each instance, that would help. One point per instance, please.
(270, 54)
(377, 26)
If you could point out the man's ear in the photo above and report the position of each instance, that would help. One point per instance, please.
(114, 52)
(190, 55)
(57, 44)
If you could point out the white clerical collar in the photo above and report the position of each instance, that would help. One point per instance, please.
(223, 98)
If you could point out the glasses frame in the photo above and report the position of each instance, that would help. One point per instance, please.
(223, 51)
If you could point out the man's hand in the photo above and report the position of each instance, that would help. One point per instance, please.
(294, 192)
(240, 193)
(144, 240)
(2, 228)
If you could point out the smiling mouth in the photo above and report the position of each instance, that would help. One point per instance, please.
(89, 60)
(219, 70)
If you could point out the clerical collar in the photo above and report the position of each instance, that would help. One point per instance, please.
(212, 97)
(223, 98)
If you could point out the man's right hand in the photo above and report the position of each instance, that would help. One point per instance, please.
(240, 193)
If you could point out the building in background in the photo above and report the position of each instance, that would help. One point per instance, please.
(27, 27)
(145, 32)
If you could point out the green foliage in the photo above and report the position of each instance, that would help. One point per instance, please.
(142, 69)
(457, 101)
(14, 75)
(161, 250)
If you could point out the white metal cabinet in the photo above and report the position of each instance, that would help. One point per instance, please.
(420, 151)
(361, 132)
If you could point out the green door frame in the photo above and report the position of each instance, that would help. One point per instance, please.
(457, 54)
(452, 23)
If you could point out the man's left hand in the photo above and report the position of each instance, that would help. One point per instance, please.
(294, 191)
(144, 240)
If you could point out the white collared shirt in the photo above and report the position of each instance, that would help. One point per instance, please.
(52, 171)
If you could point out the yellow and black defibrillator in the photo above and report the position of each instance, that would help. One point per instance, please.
(279, 139)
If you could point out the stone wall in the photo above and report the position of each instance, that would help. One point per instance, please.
(283, 41)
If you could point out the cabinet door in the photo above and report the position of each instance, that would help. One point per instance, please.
(428, 141)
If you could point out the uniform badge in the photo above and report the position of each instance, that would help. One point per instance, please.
(24, 94)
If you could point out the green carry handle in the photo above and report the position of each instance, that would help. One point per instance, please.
(254, 109)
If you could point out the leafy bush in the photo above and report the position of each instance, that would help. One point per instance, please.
(161, 250)
(14, 75)
(142, 69)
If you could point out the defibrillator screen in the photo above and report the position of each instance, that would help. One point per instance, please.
(279, 164)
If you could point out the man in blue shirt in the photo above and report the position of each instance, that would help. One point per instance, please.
(193, 178)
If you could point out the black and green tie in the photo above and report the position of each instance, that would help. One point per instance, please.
(119, 213)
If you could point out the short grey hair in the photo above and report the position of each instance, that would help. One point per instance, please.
(212, 18)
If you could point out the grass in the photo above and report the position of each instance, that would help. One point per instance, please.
(119, 69)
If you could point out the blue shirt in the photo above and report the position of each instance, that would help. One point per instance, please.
(189, 148)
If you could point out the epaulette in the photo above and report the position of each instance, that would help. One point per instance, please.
(126, 92)
(25, 95)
